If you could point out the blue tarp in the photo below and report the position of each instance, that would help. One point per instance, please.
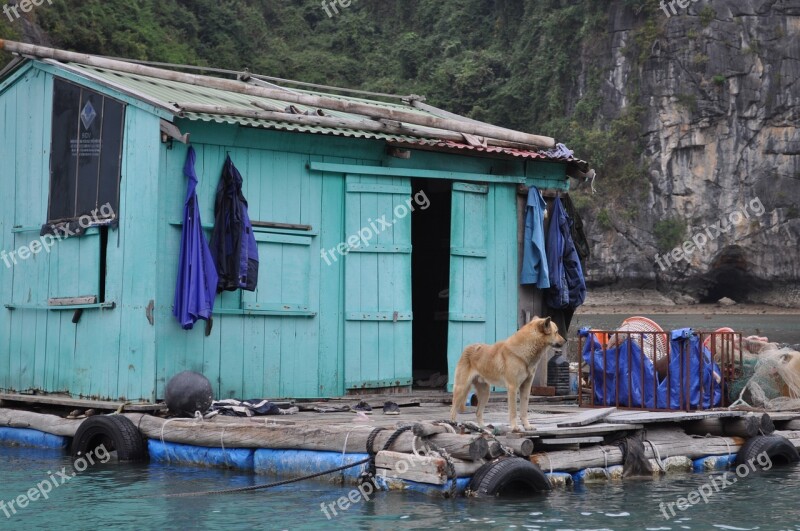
(31, 438)
(185, 454)
(630, 378)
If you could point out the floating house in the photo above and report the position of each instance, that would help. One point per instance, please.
(389, 231)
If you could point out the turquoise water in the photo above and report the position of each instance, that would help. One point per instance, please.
(108, 497)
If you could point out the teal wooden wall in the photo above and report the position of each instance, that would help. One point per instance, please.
(287, 339)
(108, 353)
(311, 329)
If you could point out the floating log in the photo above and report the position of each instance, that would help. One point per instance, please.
(748, 426)
(425, 429)
(745, 427)
(423, 469)
(792, 425)
(520, 447)
(331, 438)
(55, 425)
(667, 442)
(495, 450)
(256, 434)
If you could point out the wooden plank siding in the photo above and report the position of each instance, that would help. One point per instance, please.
(277, 353)
(43, 350)
(290, 338)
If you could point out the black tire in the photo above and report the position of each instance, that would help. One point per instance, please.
(779, 449)
(115, 433)
(509, 476)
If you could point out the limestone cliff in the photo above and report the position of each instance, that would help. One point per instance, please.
(718, 91)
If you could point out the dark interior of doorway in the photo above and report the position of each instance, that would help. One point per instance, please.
(430, 280)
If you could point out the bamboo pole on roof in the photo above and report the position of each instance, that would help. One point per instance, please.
(365, 124)
(370, 111)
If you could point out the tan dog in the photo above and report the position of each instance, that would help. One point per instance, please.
(510, 363)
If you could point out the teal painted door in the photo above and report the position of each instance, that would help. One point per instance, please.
(469, 270)
(377, 251)
(483, 267)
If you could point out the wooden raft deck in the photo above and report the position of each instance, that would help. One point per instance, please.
(566, 438)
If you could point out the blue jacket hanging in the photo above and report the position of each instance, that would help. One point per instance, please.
(567, 285)
(233, 242)
(534, 261)
(197, 275)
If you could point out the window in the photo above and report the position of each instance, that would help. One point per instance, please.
(86, 153)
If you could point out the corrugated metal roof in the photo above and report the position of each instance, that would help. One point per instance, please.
(458, 146)
(170, 93)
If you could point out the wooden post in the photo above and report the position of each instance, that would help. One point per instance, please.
(746, 427)
(520, 447)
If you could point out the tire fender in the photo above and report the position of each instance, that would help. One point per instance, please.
(779, 449)
(509, 476)
(115, 431)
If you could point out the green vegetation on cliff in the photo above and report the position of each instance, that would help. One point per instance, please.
(533, 65)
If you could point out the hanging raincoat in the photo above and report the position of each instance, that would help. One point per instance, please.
(233, 242)
(534, 261)
(197, 275)
(567, 285)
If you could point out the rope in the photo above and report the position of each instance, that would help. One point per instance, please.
(371, 460)
(605, 463)
(658, 456)
(414, 445)
(740, 400)
(452, 477)
(727, 444)
(222, 442)
(258, 487)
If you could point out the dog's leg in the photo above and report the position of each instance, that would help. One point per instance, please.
(524, 398)
(512, 405)
(482, 390)
(460, 392)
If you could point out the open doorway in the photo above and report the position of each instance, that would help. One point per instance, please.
(430, 281)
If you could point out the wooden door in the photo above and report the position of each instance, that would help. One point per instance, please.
(483, 267)
(378, 314)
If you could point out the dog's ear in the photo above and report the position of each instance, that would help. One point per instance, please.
(544, 325)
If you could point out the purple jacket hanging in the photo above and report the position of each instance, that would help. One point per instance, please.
(233, 242)
(197, 275)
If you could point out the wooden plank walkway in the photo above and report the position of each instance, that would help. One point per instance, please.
(62, 400)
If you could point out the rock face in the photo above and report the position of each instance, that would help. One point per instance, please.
(719, 84)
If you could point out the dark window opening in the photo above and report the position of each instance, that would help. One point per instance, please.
(101, 295)
(430, 280)
(86, 154)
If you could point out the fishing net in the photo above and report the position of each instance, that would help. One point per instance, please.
(771, 381)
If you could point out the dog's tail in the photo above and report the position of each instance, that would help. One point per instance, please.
(461, 383)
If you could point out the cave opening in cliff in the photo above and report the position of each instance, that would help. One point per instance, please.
(729, 277)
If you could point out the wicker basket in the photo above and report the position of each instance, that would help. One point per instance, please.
(642, 324)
